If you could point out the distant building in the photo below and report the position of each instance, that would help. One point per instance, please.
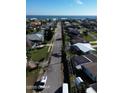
(33, 19)
(36, 23)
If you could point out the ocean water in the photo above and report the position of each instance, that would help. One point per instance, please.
(59, 17)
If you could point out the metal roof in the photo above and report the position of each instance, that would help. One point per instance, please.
(85, 47)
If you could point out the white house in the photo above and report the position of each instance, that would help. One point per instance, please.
(84, 47)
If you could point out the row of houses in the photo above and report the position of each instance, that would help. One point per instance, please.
(86, 66)
(41, 32)
(83, 60)
(91, 24)
(38, 37)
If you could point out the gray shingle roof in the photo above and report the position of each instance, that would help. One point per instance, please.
(37, 36)
(79, 60)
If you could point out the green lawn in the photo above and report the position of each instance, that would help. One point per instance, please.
(36, 55)
(67, 38)
(29, 31)
(88, 38)
(72, 84)
(39, 54)
(93, 42)
(33, 72)
(82, 30)
(94, 33)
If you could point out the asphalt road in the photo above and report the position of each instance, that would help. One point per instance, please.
(54, 72)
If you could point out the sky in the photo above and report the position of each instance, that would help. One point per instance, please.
(61, 7)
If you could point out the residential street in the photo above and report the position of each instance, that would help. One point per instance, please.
(55, 73)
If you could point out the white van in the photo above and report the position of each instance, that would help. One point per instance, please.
(65, 88)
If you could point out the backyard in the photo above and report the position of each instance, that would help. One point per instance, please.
(38, 54)
(88, 38)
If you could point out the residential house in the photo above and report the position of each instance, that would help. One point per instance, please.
(82, 48)
(35, 23)
(92, 57)
(72, 32)
(35, 39)
(77, 61)
(90, 69)
(77, 39)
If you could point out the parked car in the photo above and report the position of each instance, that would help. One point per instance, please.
(78, 81)
(41, 84)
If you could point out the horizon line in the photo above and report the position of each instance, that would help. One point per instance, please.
(61, 15)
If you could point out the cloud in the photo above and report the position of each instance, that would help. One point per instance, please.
(79, 2)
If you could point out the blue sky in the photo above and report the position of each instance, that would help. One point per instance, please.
(61, 7)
